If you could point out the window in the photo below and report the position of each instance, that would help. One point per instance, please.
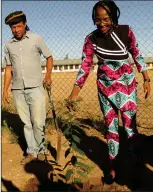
(66, 67)
(60, 68)
(55, 67)
(71, 66)
(43, 68)
(76, 66)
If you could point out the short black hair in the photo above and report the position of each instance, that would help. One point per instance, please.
(114, 12)
(26, 28)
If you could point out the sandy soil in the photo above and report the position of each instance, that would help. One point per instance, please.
(35, 176)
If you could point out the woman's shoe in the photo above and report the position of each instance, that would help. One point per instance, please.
(110, 178)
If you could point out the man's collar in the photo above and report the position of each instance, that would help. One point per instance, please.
(27, 35)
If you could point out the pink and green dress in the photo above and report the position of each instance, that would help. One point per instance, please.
(115, 78)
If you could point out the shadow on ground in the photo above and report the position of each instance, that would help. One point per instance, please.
(131, 170)
(13, 121)
(44, 180)
(9, 186)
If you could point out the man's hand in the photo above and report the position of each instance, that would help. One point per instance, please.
(7, 82)
(47, 79)
(5, 99)
(49, 65)
(147, 89)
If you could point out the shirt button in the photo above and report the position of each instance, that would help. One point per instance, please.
(20, 49)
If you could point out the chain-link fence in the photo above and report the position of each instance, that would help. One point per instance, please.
(64, 26)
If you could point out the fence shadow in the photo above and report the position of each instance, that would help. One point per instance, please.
(13, 121)
(44, 177)
(98, 125)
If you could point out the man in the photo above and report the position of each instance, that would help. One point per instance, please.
(23, 68)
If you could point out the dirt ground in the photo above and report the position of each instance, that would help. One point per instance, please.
(34, 176)
(132, 174)
(62, 84)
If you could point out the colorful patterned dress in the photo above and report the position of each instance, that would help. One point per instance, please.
(115, 78)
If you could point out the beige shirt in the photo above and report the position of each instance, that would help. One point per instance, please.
(25, 58)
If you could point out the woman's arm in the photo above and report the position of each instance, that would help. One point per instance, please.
(87, 63)
(139, 61)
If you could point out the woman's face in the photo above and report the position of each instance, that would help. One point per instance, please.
(102, 20)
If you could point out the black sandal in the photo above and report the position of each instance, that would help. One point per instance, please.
(109, 179)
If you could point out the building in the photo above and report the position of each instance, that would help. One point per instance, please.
(73, 65)
(64, 65)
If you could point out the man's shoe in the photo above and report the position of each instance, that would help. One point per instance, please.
(28, 159)
(41, 157)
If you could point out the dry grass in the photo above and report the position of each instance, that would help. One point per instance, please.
(62, 84)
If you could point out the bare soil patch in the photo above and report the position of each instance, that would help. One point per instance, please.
(132, 175)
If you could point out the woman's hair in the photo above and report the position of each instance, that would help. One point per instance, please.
(113, 12)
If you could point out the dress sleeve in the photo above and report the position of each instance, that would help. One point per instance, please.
(135, 52)
(87, 63)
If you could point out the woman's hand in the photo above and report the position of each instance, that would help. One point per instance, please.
(71, 101)
(147, 89)
(70, 104)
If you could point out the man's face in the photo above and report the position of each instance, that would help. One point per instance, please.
(18, 30)
(102, 20)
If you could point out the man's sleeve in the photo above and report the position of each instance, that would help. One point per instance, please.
(7, 60)
(42, 47)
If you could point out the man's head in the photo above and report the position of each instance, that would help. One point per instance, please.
(17, 22)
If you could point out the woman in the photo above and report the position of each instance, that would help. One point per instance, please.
(116, 82)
